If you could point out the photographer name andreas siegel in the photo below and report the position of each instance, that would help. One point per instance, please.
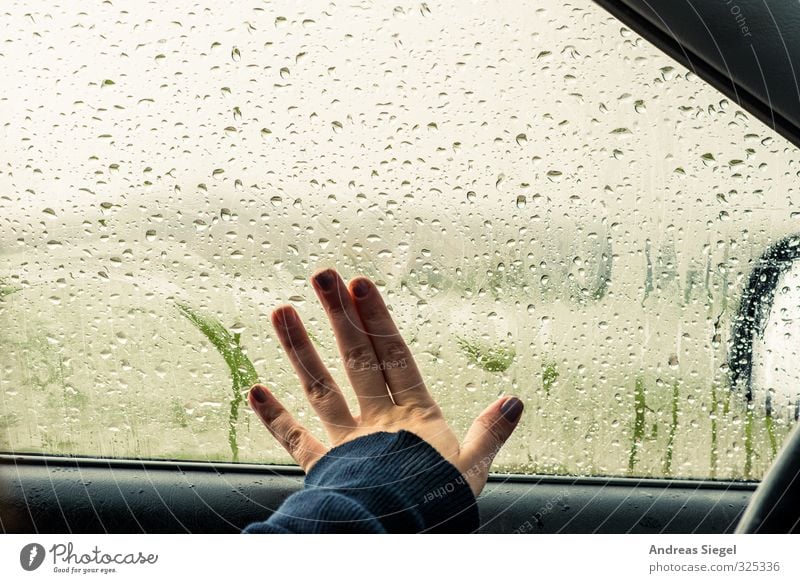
(67, 560)
(693, 550)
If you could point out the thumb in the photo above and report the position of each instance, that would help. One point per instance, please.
(485, 437)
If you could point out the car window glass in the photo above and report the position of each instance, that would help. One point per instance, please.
(552, 207)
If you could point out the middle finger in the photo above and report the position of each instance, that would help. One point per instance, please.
(360, 361)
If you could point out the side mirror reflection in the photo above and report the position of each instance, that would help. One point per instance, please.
(765, 343)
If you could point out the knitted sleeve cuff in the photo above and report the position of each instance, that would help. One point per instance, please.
(402, 480)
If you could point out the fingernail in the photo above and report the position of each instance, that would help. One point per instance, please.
(258, 394)
(361, 288)
(512, 410)
(325, 280)
(285, 317)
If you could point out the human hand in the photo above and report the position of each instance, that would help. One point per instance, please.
(391, 393)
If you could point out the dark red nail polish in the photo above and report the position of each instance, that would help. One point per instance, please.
(325, 280)
(512, 410)
(361, 288)
(286, 317)
(258, 394)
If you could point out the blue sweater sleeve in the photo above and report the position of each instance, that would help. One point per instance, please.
(379, 483)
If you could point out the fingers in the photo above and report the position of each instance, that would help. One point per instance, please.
(321, 390)
(295, 438)
(360, 361)
(396, 362)
(485, 438)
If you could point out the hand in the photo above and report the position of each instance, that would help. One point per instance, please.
(390, 390)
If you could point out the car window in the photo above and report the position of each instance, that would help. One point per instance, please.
(552, 207)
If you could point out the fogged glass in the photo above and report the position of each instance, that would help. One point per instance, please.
(552, 207)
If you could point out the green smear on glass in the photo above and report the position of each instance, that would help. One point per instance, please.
(773, 441)
(639, 407)
(489, 358)
(6, 289)
(549, 376)
(243, 373)
(673, 429)
(714, 438)
(748, 443)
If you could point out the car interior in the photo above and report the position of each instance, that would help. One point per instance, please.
(593, 205)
